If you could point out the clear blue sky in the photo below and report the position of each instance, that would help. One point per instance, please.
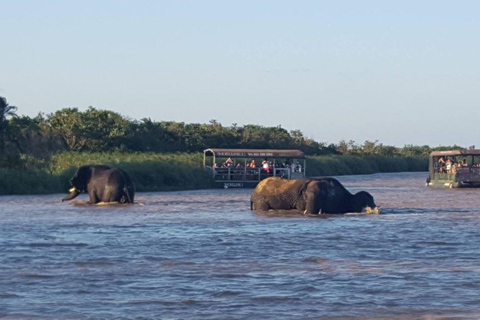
(401, 72)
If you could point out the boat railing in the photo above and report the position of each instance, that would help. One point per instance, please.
(248, 174)
(465, 173)
(444, 176)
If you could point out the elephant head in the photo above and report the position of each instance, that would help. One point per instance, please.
(363, 201)
(79, 182)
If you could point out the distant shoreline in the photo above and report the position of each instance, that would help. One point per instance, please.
(178, 171)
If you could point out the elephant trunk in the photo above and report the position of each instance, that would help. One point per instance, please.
(73, 194)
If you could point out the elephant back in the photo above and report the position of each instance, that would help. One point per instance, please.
(275, 185)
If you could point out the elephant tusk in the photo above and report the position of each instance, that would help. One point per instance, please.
(72, 189)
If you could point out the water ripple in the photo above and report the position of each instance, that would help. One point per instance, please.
(204, 255)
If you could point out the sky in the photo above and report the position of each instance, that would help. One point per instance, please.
(400, 72)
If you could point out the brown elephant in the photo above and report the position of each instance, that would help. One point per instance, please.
(312, 196)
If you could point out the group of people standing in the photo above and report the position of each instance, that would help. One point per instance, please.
(450, 166)
(266, 165)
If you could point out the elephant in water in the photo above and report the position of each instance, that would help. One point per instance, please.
(103, 184)
(312, 196)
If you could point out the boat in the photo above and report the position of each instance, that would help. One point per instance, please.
(454, 168)
(245, 168)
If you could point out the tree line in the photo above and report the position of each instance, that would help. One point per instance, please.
(96, 130)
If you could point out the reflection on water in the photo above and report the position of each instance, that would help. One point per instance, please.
(204, 254)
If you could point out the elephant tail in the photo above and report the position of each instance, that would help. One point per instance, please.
(128, 195)
(251, 205)
(128, 188)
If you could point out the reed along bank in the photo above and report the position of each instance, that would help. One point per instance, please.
(175, 171)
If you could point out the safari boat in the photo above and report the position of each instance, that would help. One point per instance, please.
(245, 168)
(454, 168)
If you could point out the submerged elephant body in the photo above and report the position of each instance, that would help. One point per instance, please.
(322, 195)
(103, 184)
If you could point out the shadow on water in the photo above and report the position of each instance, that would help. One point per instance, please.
(299, 213)
(79, 203)
(289, 213)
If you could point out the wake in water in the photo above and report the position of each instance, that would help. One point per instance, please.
(79, 203)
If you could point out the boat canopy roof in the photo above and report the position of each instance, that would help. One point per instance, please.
(462, 152)
(256, 153)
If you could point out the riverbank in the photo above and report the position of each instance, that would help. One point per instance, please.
(176, 171)
(347, 165)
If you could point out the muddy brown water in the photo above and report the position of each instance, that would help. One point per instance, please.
(204, 255)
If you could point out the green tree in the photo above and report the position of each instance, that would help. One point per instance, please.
(146, 136)
(92, 130)
(410, 150)
(349, 147)
(105, 130)
(33, 136)
(6, 111)
(68, 124)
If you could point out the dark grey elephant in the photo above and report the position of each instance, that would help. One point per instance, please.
(103, 184)
(312, 196)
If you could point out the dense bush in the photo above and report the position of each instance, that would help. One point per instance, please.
(34, 140)
(18, 181)
(40, 154)
(177, 171)
(149, 171)
(97, 130)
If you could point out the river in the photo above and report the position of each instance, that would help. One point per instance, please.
(204, 255)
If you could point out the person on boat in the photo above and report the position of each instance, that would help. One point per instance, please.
(229, 162)
(265, 166)
(448, 165)
(293, 167)
(298, 167)
(251, 173)
(441, 165)
(454, 168)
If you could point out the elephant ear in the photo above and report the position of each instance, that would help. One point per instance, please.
(314, 197)
(82, 178)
